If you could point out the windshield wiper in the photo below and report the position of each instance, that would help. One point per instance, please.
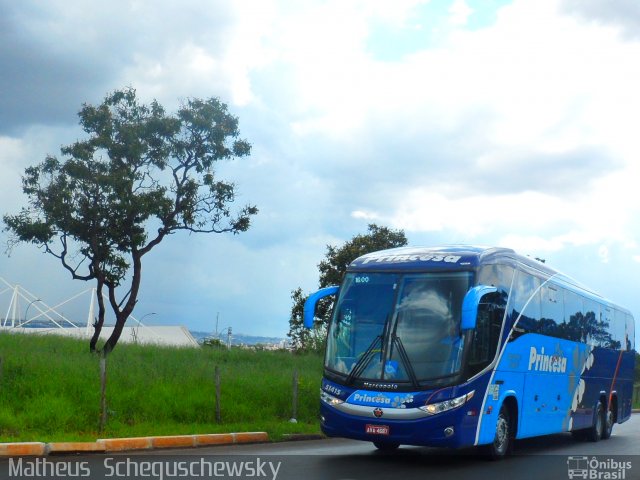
(405, 360)
(361, 364)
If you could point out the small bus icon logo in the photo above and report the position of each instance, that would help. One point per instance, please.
(578, 467)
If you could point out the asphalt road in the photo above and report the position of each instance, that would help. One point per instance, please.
(537, 459)
(542, 458)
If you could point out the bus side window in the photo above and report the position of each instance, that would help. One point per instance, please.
(629, 332)
(605, 328)
(486, 335)
(618, 340)
(552, 311)
(525, 305)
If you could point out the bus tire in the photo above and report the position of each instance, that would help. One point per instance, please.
(609, 420)
(386, 446)
(503, 441)
(595, 432)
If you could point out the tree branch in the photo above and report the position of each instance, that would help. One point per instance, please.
(63, 259)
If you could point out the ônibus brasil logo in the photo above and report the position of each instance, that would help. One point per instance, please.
(597, 469)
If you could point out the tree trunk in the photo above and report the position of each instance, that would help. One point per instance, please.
(111, 342)
(123, 314)
(97, 325)
(97, 328)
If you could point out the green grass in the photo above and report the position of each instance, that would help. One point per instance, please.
(50, 390)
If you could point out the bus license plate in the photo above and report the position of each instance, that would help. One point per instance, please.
(377, 429)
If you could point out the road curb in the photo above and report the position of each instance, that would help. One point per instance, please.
(122, 444)
(39, 449)
(23, 449)
(174, 441)
(251, 437)
(75, 447)
(211, 439)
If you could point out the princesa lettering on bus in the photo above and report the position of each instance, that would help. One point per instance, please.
(547, 363)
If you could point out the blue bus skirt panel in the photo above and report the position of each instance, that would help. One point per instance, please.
(423, 431)
(548, 378)
(427, 431)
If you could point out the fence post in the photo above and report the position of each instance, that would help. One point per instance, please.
(294, 412)
(217, 381)
(103, 392)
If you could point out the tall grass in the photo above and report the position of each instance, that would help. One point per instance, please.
(50, 390)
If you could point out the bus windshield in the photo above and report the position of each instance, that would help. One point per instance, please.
(398, 327)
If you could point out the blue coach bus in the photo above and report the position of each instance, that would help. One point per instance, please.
(460, 345)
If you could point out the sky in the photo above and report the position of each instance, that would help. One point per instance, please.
(493, 122)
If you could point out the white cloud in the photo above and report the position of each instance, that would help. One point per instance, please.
(459, 12)
(541, 84)
(17, 153)
(362, 215)
(12, 151)
(603, 253)
(544, 80)
(531, 245)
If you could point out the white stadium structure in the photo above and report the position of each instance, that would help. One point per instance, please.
(29, 314)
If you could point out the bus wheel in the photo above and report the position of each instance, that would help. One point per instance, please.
(608, 424)
(595, 432)
(386, 446)
(502, 441)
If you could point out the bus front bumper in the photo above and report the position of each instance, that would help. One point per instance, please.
(453, 429)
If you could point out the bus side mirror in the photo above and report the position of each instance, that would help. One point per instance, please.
(470, 305)
(312, 301)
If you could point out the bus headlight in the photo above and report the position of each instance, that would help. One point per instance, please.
(435, 408)
(329, 399)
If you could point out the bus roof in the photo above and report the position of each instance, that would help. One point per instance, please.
(427, 258)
